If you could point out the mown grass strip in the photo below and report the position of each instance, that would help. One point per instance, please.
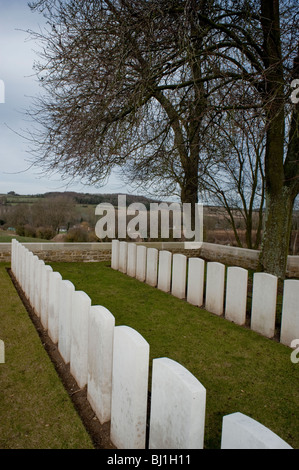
(241, 370)
(35, 409)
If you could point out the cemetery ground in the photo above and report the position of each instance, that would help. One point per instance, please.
(240, 369)
(36, 412)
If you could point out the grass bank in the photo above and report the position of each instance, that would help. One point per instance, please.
(241, 370)
(35, 410)
(6, 237)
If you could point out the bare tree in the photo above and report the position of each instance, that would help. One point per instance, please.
(54, 212)
(135, 84)
(262, 43)
(235, 179)
(126, 87)
(19, 215)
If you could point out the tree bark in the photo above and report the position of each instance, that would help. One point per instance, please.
(275, 245)
(279, 195)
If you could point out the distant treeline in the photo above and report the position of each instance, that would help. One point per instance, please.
(78, 198)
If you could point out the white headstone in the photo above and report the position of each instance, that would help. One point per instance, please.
(115, 254)
(242, 432)
(67, 290)
(13, 255)
(263, 310)
(129, 389)
(53, 309)
(215, 287)
(236, 295)
(22, 267)
(123, 255)
(21, 263)
(45, 281)
(100, 355)
(28, 270)
(33, 265)
(178, 404)
(38, 281)
(164, 270)
(290, 312)
(35, 286)
(29, 256)
(18, 262)
(141, 263)
(79, 337)
(131, 262)
(152, 267)
(195, 283)
(178, 283)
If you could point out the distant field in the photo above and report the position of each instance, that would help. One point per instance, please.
(5, 237)
(11, 199)
(216, 226)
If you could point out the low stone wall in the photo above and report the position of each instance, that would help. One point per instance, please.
(66, 252)
(293, 266)
(242, 257)
(89, 252)
(228, 255)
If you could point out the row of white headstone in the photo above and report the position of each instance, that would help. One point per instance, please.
(113, 363)
(224, 292)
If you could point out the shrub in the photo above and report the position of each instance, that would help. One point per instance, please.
(20, 230)
(45, 232)
(92, 237)
(77, 234)
(29, 231)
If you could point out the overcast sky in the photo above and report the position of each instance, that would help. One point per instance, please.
(16, 71)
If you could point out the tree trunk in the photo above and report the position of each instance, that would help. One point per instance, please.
(189, 190)
(275, 245)
(279, 198)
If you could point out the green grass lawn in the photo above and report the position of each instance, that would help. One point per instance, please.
(241, 370)
(35, 410)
